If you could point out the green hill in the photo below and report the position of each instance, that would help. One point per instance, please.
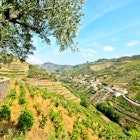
(53, 117)
(38, 107)
(102, 80)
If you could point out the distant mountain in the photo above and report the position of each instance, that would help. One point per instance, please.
(51, 67)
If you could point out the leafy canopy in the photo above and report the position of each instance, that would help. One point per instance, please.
(25, 120)
(20, 20)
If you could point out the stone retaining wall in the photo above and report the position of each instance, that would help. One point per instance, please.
(4, 87)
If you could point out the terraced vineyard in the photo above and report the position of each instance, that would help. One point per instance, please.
(100, 66)
(129, 111)
(100, 97)
(57, 87)
(14, 69)
(53, 117)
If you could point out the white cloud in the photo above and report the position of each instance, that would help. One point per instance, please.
(128, 55)
(89, 53)
(33, 60)
(132, 43)
(108, 48)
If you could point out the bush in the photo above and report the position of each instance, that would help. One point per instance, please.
(32, 95)
(84, 102)
(5, 113)
(24, 79)
(43, 121)
(22, 99)
(109, 112)
(13, 93)
(25, 120)
(16, 83)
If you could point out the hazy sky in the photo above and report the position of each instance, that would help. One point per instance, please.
(109, 29)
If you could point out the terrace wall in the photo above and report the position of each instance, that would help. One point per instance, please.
(4, 87)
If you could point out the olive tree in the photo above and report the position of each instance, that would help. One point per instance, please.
(20, 20)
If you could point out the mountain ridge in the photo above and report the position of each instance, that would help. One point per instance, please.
(52, 67)
(56, 117)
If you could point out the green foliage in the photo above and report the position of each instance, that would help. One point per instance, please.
(59, 127)
(22, 99)
(16, 83)
(56, 103)
(5, 58)
(5, 112)
(19, 138)
(13, 93)
(44, 94)
(84, 102)
(25, 120)
(10, 134)
(43, 121)
(25, 79)
(109, 112)
(128, 111)
(91, 90)
(37, 107)
(35, 72)
(75, 131)
(21, 20)
(32, 95)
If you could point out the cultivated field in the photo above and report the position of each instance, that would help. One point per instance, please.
(54, 86)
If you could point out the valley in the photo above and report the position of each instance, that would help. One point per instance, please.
(67, 104)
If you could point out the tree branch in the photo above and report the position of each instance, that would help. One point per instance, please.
(25, 25)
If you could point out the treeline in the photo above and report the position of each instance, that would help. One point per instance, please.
(109, 111)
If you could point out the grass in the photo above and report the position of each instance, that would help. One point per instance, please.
(137, 98)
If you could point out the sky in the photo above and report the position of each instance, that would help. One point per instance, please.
(108, 29)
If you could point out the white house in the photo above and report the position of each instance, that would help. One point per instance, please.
(117, 94)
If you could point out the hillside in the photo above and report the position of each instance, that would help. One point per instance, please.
(62, 110)
(110, 81)
(14, 69)
(121, 72)
(53, 117)
(51, 67)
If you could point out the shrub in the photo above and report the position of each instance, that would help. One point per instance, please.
(43, 121)
(27, 85)
(32, 95)
(24, 79)
(109, 112)
(5, 113)
(84, 102)
(22, 99)
(76, 131)
(16, 83)
(13, 93)
(25, 120)
(38, 108)
(59, 127)
(56, 103)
